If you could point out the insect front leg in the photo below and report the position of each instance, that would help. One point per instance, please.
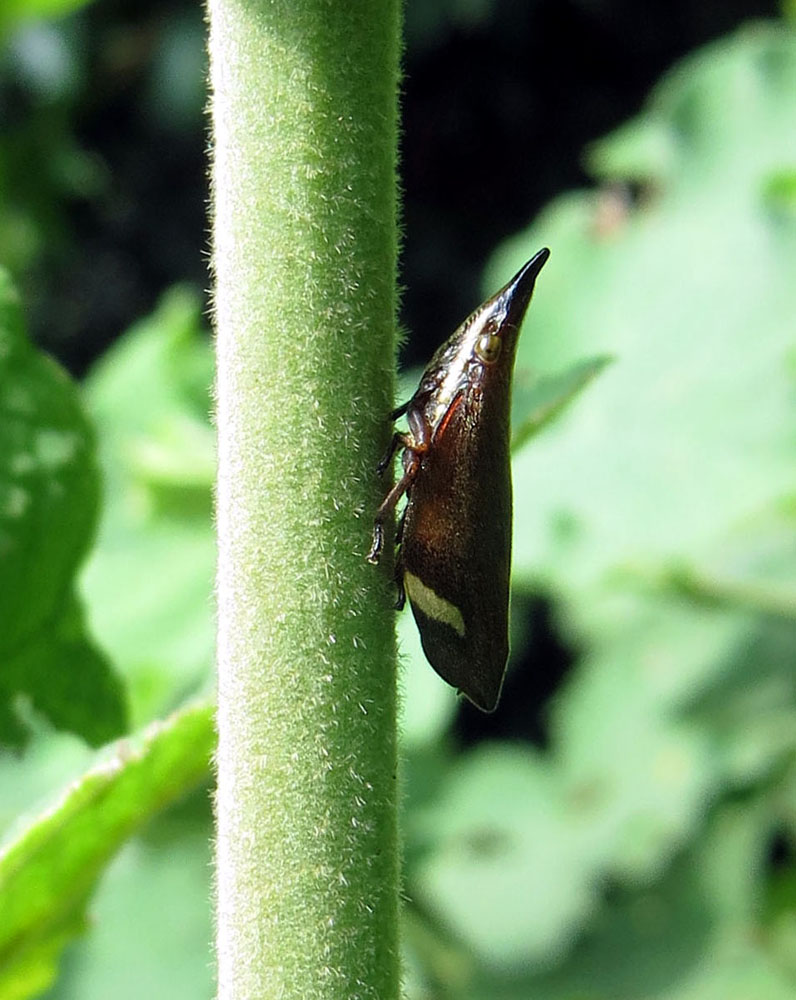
(416, 444)
(400, 410)
(398, 438)
(411, 461)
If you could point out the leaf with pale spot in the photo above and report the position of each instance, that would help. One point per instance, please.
(49, 494)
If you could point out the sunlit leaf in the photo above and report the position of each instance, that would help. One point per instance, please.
(14, 11)
(690, 431)
(48, 871)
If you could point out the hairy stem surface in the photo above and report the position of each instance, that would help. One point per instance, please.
(305, 243)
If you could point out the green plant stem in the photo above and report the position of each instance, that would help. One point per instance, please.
(305, 245)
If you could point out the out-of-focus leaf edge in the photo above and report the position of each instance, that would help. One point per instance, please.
(550, 395)
(48, 871)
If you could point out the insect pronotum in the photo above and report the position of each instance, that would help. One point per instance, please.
(453, 557)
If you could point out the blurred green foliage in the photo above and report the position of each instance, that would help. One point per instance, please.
(648, 852)
(48, 873)
(49, 495)
(150, 397)
(15, 11)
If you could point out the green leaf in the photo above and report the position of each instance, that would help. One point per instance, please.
(48, 509)
(689, 936)
(690, 432)
(68, 680)
(159, 884)
(23, 10)
(150, 399)
(752, 569)
(779, 193)
(49, 871)
(537, 402)
(686, 704)
(33, 970)
(504, 873)
(692, 934)
(658, 515)
(428, 703)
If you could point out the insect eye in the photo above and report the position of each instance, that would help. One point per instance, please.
(487, 347)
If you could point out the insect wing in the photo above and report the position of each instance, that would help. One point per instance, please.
(456, 548)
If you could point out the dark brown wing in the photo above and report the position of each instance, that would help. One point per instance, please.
(456, 549)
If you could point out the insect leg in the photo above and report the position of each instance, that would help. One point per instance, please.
(399, 412)
(411, 466)
(400, 599)
(397, 439)
(419, 431)
(399, 530)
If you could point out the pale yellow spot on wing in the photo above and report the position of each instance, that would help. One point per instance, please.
(431, 604)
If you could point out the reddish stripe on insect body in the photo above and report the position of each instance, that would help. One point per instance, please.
(448, 416)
